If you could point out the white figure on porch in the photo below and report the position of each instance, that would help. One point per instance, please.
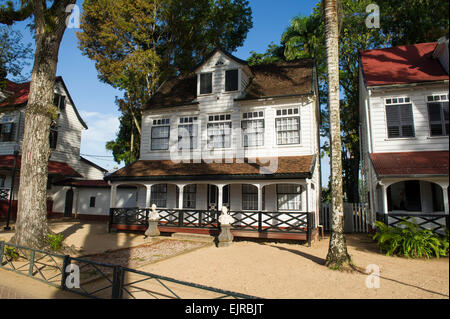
(154, 215)
(225, 218)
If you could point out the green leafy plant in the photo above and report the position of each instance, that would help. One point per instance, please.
(409, 240)
(11, 253)
(55, 241)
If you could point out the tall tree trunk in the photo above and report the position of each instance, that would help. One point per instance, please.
(337, 252)
(31, 224)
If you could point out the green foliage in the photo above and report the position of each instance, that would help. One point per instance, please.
(11, 253)
(409, 240)
(137, 45)
(55, 241)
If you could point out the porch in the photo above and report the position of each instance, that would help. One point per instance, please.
(249, 224)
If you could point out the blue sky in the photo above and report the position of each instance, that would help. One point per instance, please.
(95, 100)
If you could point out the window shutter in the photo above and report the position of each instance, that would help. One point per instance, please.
(231, 80)
(406, 118)
(62, 102)
(205, 83)
(393, 120)
(434, 116)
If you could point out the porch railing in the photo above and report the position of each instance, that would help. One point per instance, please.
(255, 221)
(437, 223)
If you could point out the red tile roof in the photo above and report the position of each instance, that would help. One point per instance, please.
(402, 65)
(411, 163)
(167, 168)
(19, 93)
(54, 168)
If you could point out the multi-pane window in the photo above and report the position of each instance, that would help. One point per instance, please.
(231, 80)
(253, 129)
(189, 196)
(289, 197)
(249, 197)
(92, 201)
(399, 117)
(160, 134)
(159, 195)
(205, 83)
(187, 133)
(6, 132)
(438, 114)
(287, 125)
(219, 131)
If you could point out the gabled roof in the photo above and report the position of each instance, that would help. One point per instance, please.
(410, 163)
(232, 57)
(19, 96)
(287, 167)
(279, 79)
(402, 65)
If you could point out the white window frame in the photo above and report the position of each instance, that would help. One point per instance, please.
(437, 98)
(399, 100)
(159, 195)
(159, 123)
(249, 198)
(214, 121)
(185, 121)
(285, 113)
(238, 80)
(199, 76)
(253, 116)
(296, 197)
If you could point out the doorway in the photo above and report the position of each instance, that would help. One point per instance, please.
(69, 203)
(213, 196)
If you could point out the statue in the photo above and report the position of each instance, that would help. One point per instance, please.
(153, 218)
(226, 237)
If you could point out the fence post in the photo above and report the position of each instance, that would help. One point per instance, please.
(200, 219)
(30, 269)
(446, 221)
(180, 218)
(308, 228)
(259, 222)
(117, 282)
(2, 248)
(110, 219)
(66, 262)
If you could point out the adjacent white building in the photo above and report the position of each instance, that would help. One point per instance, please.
(404, 130)
(65, 163)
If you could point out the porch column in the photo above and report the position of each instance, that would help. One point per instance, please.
(112, 199)
(220, 199)
(180, 196)
(148, 195)
(445, 193)
(385, 200)
(308, 195)
(260, 187)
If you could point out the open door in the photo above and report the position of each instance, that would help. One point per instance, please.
(69, 203)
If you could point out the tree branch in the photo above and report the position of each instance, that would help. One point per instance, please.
(8, 15)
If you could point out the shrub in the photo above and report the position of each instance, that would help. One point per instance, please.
(410, 240)
(55, 241)
(11, 253)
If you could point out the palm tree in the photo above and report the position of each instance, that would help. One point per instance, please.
(338, 256)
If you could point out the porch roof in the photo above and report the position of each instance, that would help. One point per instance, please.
(287, 167)
(410, 163)
(54, 168)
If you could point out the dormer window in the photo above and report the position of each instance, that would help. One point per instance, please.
(205, 83)
(231, 80)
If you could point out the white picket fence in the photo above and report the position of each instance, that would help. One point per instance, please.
(356, 217)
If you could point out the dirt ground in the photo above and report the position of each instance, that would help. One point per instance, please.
(278, 270)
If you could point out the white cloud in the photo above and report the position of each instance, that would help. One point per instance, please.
(101, 129)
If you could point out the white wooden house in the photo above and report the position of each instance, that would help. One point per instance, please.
(230, 135)
(65, 163)
(404, 129)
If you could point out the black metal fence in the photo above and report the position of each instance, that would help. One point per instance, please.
(99, 280)
(437, 223)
